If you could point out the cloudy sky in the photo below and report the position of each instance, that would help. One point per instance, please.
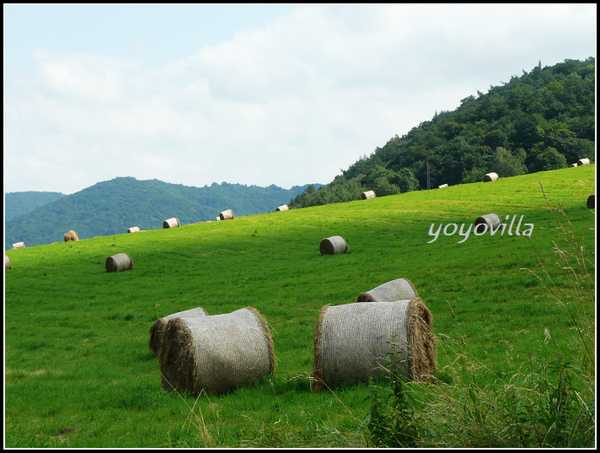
(286, 94)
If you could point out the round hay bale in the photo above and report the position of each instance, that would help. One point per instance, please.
(283, 207)
(118, 263)
(216, 353)
(157, 329)
(135, 229)
(591, 201)
(399, 289)
(490, 177)
(333, 245)
(442, 186)
(226, 215)
(173, 222)
(19, 245)
(352, 342)
(367, 195)
(70, 235)
(583, 161)
(492, 220)
(7, 264)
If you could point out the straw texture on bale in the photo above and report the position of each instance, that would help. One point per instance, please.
(442, 186)
(367, 195)
(226, 215)
(490, 177)
(352, 342)
(119, 262)
(70, 235)
(19, 245)
(583, 161)
(216, 353)
(591, 201)
(399, 289)
(133, 229)
(157, 329)
(283, 207)
(173, 222)
(492, 220)
(333, 245)
(7, 264)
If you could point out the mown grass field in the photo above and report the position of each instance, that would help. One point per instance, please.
(79, 373)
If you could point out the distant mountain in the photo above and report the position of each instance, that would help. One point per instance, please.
(19, 203)
(111, 207)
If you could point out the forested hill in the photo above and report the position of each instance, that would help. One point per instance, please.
(542, 120)
(19, 203)
(111, 207)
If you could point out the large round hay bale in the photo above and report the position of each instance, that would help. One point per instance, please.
(352, 342)
(333, 245)
(492, 220)
(490, 177)
(399, 289)
(283, 207)
(70, 235)
(442, 186)
(157, 329)
(583, 161)
(118, 263)
(134, 229)
(591, 201)
(226, 215)
(173, 222)
(19, 245)
(216, 353)
(367, 195)
(7, 263)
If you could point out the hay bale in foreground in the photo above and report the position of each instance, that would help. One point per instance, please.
(490, 177)
(216, 353)
(173, 222)
(118, 263)
(492, 220)
(583, 161)
(157, 329)
(226, 215)
(369, 194)
(133, 229)
(399, 289)
(333, 245)
(7, 263)
(70, 235)
(591, 201)
(283, 207)
(19, 245)
(352, 342)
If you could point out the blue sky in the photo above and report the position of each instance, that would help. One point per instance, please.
(262, 94)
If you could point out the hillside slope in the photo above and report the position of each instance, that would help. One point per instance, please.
(20, 203)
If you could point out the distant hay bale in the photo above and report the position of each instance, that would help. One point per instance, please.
(399, 289)
(591, 201)
(216, 353)
(157, 329)
(367, 195)
(226, 215)
(173, 222)
(583, 161)
(7, 264)
(442, 186)
(333, 245)
(490, 177)
(19, 245)
(283, 207)
(574, 165)
(70, 235)
(352, 342)
(133, 230)
(492, 220)
(118, 263)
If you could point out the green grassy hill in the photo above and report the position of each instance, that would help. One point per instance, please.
(79, 373)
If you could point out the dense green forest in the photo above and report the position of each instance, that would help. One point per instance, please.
(19, 203)
(542, 120)
(111, 207)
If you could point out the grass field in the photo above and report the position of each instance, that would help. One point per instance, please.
(79, 372)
